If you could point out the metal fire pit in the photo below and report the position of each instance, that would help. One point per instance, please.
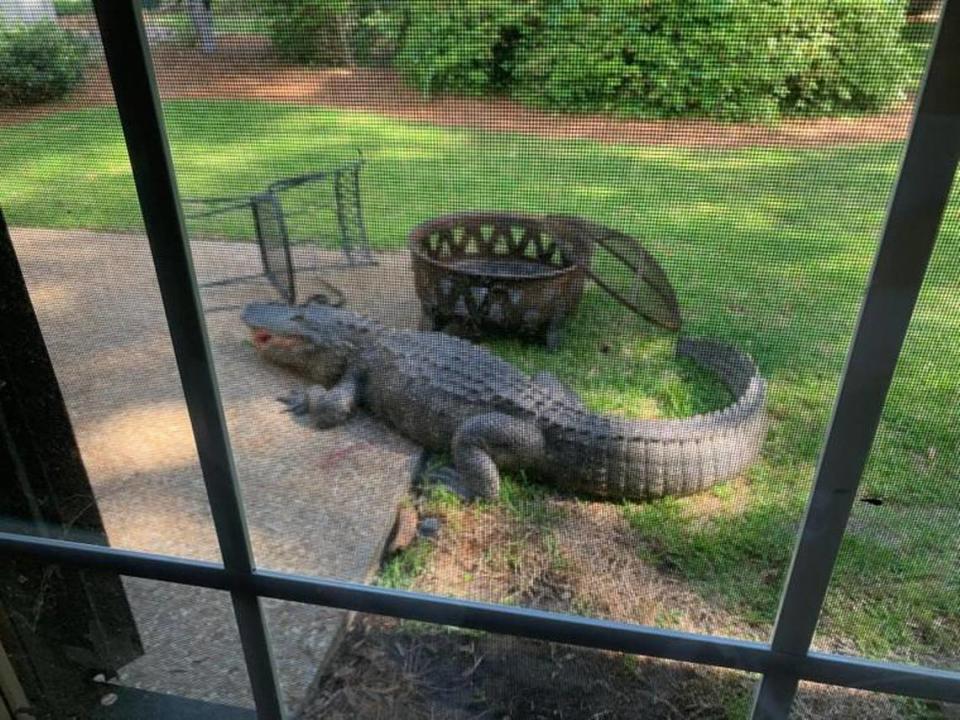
(482, 272)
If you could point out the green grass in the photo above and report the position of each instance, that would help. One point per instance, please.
(401, 570)
(768, 249)
(527, 502)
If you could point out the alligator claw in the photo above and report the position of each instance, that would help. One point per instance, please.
(296, 402)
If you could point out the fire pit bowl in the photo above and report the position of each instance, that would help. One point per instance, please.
(483, 272)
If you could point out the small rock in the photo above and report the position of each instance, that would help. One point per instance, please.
(108, 699)
(429, 527)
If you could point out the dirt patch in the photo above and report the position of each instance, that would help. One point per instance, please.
(390, 669)
(611, 580)
(490, 555)
(566, 555)
(243, 69)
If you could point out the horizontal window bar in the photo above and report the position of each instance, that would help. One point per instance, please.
(569, 629)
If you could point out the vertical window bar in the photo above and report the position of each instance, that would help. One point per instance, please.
(913, 222)
(131, 72)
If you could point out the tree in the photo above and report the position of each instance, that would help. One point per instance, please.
(201, 15)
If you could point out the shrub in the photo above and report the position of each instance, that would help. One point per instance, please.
(730, 59)
(466, 45)
(658, 58)
(39, 62)
(380, 27)
(311, 32)
(839, 55)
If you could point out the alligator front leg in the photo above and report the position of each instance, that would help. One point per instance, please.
(485, 442)
(326, 408)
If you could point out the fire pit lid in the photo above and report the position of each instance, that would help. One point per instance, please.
(647, 293)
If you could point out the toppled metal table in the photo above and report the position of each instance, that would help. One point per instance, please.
(291, 210)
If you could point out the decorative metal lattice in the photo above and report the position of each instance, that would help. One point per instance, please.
(524, 274)
(479, 272)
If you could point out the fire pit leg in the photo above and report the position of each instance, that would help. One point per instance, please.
(554, 334)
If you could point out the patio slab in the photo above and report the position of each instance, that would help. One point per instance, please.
(317, 502)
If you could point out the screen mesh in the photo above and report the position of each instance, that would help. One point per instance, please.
(902, 545)
(630, 421)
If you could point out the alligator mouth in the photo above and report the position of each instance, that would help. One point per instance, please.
(261, 338)
(264, 338)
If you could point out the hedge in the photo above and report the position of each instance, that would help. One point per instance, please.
(729, 59)
(39, 62)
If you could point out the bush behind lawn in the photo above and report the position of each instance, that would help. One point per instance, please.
(735, 60)
(39, 62)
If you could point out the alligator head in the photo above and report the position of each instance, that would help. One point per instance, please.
(316, 341)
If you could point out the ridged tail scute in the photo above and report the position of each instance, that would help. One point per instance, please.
(649, 459)
(714, 447)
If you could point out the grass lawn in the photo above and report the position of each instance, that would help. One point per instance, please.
(768, 249)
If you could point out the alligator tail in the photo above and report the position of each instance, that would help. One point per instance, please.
(648, 459)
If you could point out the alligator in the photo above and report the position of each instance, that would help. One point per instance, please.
(450, 395)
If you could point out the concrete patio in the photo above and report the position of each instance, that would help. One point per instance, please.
(317, 502)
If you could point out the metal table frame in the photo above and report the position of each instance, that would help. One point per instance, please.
(271, 228)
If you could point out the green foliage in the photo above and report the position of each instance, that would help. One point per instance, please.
(311, 32)
(828, 53)
(39, 62)
(72, 7)
(379, 30)
(402, 569)
(336, 32)
(744, 59)
(470, 45)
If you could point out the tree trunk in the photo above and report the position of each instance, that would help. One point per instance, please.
(344, 22)
(202, 18)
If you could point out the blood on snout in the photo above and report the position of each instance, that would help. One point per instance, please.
(262, 338)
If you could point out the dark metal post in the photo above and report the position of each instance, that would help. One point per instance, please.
(913, 222)
(134, 85)
(884, 677)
